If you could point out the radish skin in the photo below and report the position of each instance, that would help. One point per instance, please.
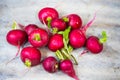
(50, 64)
(66, 67)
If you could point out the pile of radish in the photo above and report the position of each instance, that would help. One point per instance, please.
(62, 36)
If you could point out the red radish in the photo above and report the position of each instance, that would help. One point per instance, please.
(38, 38)
(16, 37)
(73, 20)
(50, 64)
(78, 36)
(56, 42)
(66, 66)
(30, 56)
(58, 24)
(47, 14)
(94, 44)
(29, 28)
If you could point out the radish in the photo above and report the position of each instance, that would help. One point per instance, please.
(47, 14)
(17, 38)
(29, 28)
(30, 56)
(66, 67)
(56, 42)
(94, 44)
(50, 64)
(58, 24)
(73, 20)
(78, 36)
(38, 37)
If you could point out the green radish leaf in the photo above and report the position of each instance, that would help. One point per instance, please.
(37, 37)
(49, 19)
(54, 30)
(14, 25)
(104, 37)
(70, 48)
(27, 63)
(66, 34)
(60, 32)
(65, 43)
(65, 19)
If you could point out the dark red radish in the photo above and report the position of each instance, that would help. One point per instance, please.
(78, 36)
(58, 24)
(74, 21)
(66, 66)
(94, 44)
(29, 28)
(47, 14)
(38, 37)
(56, 42)
(17, 38)
(30, 56)
(50, 64)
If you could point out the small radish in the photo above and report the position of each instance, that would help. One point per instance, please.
(66, 67)
(29, 28)
(78, 36)
(17, 38)
(47, 14)
(58, 24)
(50, 64)
(94, 44)
(73, 20)
(30, 56)
(38, 37)
(56, 42)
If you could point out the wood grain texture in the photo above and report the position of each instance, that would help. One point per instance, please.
(104, 66)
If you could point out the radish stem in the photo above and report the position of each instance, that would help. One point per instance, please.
(74, 59)
(104, 37)
(27, 63)
(59, 55)
(21, 26)
(37, 37)
(84, 52)
(49, 21)
(54, 30)
(14, 25)
(89, 23)
(65, 19)
(15, 55)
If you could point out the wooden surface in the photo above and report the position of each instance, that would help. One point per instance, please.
(103, 66)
